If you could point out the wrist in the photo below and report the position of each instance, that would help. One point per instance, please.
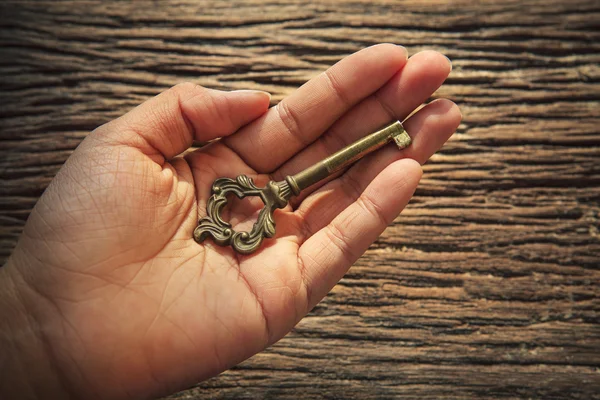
(28, 371)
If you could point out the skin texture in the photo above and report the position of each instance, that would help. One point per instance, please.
(107, 295)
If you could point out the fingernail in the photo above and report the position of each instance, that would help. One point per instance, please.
(253, 92)
(449, 61)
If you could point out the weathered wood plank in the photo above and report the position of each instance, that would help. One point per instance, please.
(486, 286)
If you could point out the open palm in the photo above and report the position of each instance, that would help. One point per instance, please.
(130, 305)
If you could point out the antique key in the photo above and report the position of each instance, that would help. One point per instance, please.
(276, 194)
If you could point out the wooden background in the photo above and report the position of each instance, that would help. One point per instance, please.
(486, 286)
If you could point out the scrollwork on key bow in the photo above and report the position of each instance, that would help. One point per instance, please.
(274, 195)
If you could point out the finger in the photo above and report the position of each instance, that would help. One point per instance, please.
(300, 118)
(327, 255)
(431, 127)
(422, 75)
(166, 125)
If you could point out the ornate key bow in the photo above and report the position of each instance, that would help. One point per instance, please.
(277, 194)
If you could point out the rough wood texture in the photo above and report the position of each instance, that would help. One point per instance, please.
(486, 286)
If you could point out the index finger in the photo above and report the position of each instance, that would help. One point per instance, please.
(304, 115)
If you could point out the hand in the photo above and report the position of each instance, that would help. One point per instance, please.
(109, 285)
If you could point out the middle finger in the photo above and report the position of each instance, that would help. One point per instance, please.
(304, 115)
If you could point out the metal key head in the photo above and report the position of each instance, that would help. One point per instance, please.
(274, 195)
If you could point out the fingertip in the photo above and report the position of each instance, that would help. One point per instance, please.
(447, 113)
(404, 50)
(258, 97)
(396, 49)
(396, 54)
(246, 102)
(455, 114)
(449, 61)
(217, 113)
(441, 116)
(244, 106)
(415, 82)
(392, 188)
(409, 169)
(436, 62)
(398, 180)
(414, 167)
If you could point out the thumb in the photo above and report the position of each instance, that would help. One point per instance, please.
(167, 124)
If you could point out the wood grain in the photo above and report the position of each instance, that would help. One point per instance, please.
(486, 286)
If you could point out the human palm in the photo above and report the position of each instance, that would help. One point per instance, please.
(130, 305)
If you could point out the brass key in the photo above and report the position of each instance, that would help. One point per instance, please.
(276, 194)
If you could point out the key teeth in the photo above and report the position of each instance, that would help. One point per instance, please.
(402, 140)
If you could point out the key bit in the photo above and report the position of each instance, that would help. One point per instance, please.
(277, 194)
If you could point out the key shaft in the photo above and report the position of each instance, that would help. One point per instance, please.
(349, 155)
